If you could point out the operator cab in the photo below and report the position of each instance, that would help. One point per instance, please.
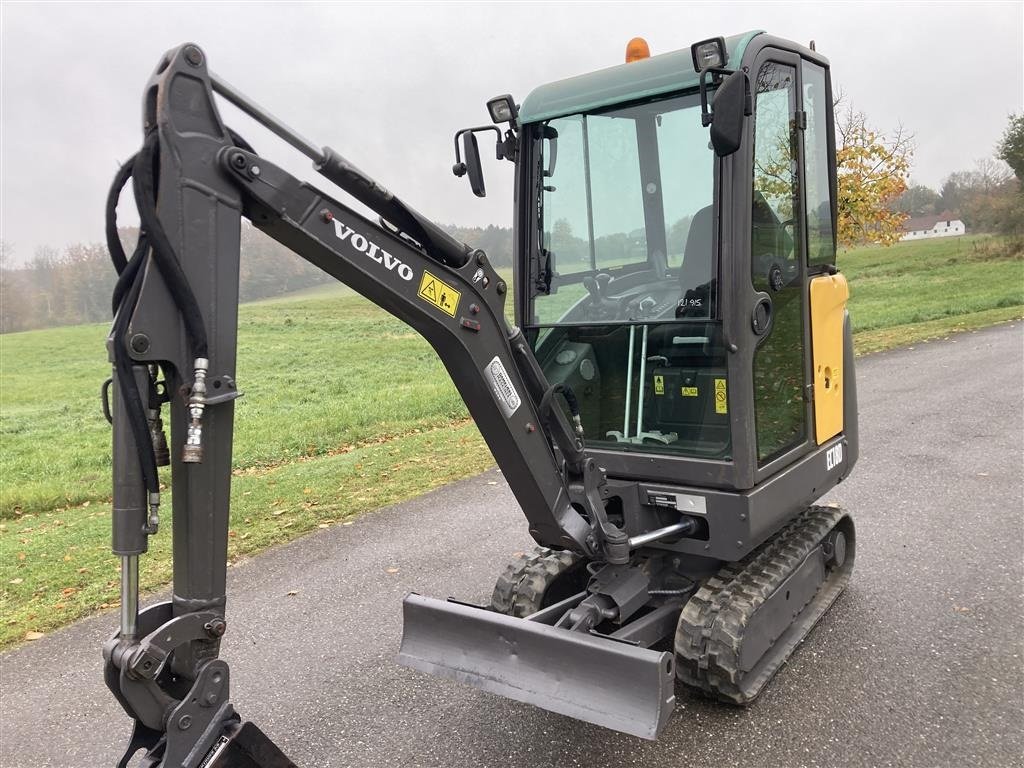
(664, 270)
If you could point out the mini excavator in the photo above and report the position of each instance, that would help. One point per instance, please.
(676, 392)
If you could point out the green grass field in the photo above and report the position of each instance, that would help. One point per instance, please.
(345, 410)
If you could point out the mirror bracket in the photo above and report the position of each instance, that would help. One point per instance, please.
(503, 149)
(717, 73)
(733, 103)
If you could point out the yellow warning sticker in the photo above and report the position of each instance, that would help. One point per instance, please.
(435, 291)
(659, 385)
(689, 391)
(721, 397)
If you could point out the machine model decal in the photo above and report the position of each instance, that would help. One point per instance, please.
(434, 290)
(834, 456)
(374, 251)
(721, 396)
(501, 385)
(215, 752)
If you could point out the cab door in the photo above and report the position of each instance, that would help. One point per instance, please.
(778, 264)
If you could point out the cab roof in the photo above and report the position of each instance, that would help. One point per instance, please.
(642, 79)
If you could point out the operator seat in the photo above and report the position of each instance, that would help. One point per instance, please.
(688, 355)
(695, 276)
(697, 253)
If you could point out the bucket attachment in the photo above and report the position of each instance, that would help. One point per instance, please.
(589, 677)
(246, 746)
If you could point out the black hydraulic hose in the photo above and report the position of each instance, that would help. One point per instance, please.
(127, 278)
(126, 268)
(128, 387)
(565, 391)
(113, 239)
(545, 407)
(163, 252)
(126, 293)
(125, 296)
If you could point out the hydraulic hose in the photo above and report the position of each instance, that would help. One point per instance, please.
(570, 399)
(144, 174)
(126, 294)
(113, 239)
(142, 168)
(128, 386)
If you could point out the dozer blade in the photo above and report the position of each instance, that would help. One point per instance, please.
(606, 682)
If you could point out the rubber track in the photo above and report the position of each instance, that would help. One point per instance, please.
(709, 635)
(520, 589)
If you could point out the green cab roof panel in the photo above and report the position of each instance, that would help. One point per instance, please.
(642, 79)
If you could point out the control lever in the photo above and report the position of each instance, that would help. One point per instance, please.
(597, 286)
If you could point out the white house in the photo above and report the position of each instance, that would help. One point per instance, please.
(944, 225)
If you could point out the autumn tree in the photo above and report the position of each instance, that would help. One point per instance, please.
(873, 169)
(1011, 147)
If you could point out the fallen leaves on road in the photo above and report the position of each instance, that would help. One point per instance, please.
(293, 592)
(34, 635)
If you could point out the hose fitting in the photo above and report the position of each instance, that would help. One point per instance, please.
(156, 435)
(192, 453)
(153, 523)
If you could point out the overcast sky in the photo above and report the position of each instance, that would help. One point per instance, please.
(387, 85)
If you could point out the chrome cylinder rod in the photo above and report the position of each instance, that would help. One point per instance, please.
(661, 533)
(129, 596)
(267, 120)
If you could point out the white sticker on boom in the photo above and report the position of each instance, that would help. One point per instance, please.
(502, 387)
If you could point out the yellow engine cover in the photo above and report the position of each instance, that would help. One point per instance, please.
(829, 294)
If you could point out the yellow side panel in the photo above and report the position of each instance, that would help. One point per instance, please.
(828, 304)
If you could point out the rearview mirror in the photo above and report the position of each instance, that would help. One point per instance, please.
(731, 105)
(471, 151)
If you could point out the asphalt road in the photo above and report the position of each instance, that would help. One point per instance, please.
(919, 663)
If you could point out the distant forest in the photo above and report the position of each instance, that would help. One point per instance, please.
(74, 286)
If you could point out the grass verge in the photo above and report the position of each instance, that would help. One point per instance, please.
(57, 567)
(881, 339)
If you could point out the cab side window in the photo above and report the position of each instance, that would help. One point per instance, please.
(821, 248)
(775, 263)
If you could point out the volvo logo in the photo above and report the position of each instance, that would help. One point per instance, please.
(374, 251)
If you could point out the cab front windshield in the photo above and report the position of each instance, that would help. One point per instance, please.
(623, 287)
